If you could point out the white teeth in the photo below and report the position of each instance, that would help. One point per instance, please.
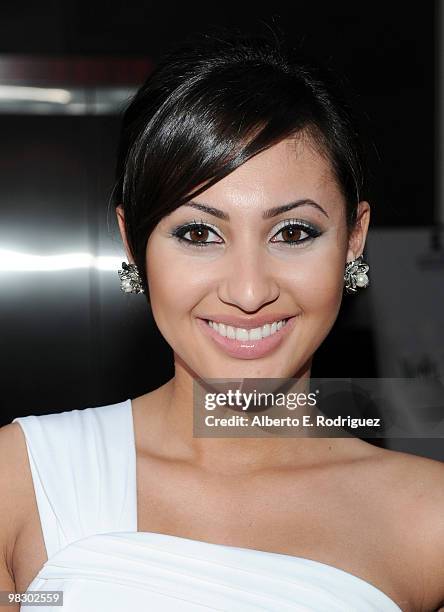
(241, 334)
(222, 329)
(238, 333)
(266, 330)
(255, 334)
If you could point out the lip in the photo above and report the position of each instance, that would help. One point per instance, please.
(248, 349)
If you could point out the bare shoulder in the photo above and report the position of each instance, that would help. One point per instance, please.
(421, 479)
(417, 498)
(14, 501)
(14, 472)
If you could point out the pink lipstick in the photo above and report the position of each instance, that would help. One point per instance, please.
(248, 349)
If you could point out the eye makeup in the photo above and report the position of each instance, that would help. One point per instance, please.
(295, 226)
(180, 231)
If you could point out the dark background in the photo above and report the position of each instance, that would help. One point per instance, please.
(70, 338)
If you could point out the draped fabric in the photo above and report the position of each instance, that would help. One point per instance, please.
(83, 465)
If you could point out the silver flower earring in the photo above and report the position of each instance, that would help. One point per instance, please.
(356, 275)
(130, 281)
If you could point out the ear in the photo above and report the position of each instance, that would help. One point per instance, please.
(121, 221)
(358, 236)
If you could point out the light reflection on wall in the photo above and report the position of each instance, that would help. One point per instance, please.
(15, 261)
(15, 93)
(98, 100)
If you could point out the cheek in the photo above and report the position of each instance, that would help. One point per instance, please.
(171, 282)
(318, 291)
(322, 288)
(316, 280)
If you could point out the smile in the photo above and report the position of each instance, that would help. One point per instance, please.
(240, 333)
(247, 343)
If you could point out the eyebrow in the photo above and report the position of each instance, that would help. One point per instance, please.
(267, 214)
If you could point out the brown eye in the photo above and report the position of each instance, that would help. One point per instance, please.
(296, 233)
(291, 234)
(199, 234)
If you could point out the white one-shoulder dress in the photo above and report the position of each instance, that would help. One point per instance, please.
(83, 465)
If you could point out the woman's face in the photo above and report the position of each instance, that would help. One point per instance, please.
(253, 268)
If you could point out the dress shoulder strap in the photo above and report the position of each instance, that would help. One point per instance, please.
(83, 465)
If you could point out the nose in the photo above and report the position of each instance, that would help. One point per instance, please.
(248, 281)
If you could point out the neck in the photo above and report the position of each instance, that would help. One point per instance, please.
(176, 414)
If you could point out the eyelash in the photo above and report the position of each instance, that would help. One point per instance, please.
(180, 231)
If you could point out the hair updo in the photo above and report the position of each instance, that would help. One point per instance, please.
(210, 106)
